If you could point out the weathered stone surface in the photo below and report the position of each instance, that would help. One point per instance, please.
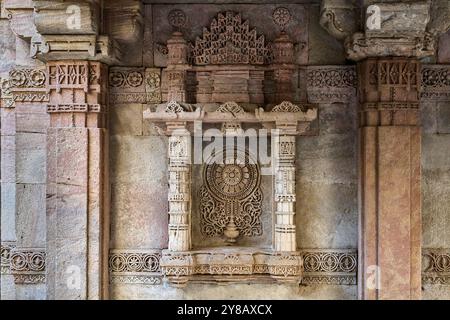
(7, 47)
(8, 159)
(138, 159)
(444, 48)
(8, 209)
(139, 217)
(30, 215)
(30, 157)
(443, 118)
(234, 291)
(327, 215)
(126, 120)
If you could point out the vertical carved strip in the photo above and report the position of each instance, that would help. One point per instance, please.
(179, 190)
(285, 230)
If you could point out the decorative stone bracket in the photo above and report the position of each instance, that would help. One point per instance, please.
(388, 29)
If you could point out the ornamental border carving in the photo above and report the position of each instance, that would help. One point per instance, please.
(433, 271)
(435, 82)
(329, 84)
(436, 266)
(135, 266)
(330, 266)
(25, 85)
(134, 85)
(27, 265)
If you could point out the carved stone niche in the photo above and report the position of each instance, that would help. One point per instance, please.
(229, 62)
(217, 215)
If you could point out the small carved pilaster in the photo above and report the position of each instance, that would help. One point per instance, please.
(179, 188)
(283, 68)
(285, 229)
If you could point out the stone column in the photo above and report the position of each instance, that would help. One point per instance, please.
(285, 229)
(179, 188)
(77, 171)
(390, 196)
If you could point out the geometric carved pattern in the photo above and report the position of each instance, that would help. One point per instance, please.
(436, 82)
(28, 85)
(27, 265)
(281, 17)
(286, 106)
(231, 192)
(27, 78)
(229, 41)
(135, 266)
(327, 84)
(436, 266)
(322, 266)
(5, 251)
(134, 85)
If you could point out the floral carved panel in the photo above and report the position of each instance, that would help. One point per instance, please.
(231, 193)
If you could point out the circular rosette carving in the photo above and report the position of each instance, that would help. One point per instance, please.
(442, 263)
(37, 261)
(117, 263)
(281, 17)
(18, 78)
(37, 78)
(116, 79)
(134, 79)
(19, 261)
(330, 262)
(311, 262)
(231, 178)
(134, 262)
(177, 18)
(347, 262)
(151, 263)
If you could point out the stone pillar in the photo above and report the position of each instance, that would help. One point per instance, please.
(390, 196)
(179, 188)
(77, 171)
(285, 229)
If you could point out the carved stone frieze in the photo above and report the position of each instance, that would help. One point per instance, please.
(328, 84)
(5, 253)
(28, 85)
(436, 266)
(230, 265)
(330, 266)
(6, 97)
(27, 265)
(435, 82)
(135, 266)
